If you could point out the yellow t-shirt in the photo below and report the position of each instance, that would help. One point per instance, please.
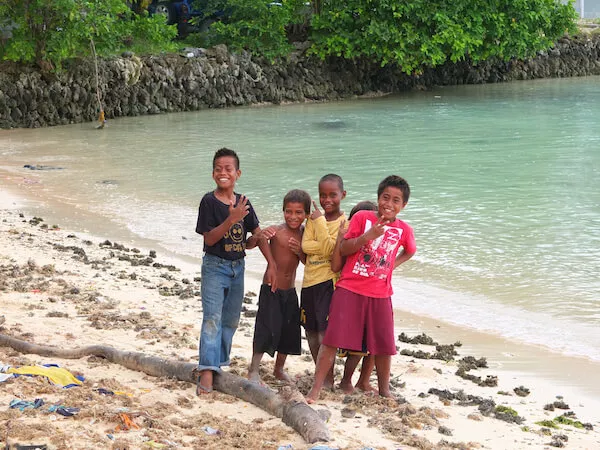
(318, 243)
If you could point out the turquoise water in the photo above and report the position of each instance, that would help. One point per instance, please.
(505, 189)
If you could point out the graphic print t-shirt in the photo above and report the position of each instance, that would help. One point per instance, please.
(212, 213)
(369, 271)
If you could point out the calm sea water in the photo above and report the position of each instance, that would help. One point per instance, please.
(505, 190)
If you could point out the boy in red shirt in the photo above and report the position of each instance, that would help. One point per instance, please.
(361, 306)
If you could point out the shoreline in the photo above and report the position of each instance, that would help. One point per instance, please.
(518, 356)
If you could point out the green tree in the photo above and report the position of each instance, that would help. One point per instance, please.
(258, 26)
(48, 32)
(425, 33)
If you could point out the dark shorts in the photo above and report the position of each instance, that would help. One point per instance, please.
(277, 327)
(355, 318)
(314, 305)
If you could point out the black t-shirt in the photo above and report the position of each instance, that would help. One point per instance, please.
(212, 213)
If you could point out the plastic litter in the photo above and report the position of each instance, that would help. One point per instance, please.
(210, 431)
(22, 405)
(63, 410)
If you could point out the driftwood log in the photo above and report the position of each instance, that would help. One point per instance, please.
(296, 414)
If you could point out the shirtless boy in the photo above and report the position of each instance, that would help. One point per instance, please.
(277, 327)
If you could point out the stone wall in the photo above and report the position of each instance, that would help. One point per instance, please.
(131, 85)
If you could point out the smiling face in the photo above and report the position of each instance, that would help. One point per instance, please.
(225, 173)
(294, 214)
(390, 203)
(330, 197)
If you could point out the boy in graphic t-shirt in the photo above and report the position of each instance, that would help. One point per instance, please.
(361, 306)
(224, 219)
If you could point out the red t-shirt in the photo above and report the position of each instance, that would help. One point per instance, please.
(369, 271)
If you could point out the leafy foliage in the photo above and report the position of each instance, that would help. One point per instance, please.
(258, 26)
(50, 31)
(421, 33)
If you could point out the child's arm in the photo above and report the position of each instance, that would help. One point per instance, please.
(350, 246)
(265, 249)
(266, 234)
(337, 260)
(236, 214)
(402, 258)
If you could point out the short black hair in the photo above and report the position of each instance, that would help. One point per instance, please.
(397, 182)
(361, 206)
(298, 196)
(226, 152)
(333, 177)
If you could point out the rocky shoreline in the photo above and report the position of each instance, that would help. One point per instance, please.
(214, 78)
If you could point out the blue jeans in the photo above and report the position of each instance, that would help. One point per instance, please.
(222, 289)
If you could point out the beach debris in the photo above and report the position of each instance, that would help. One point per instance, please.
(63, 410)
(507, 414)
(41, 167)
(419, 339)
(301, 417)
(521, 391)
(210, 431)
(285, 447)
(558, 404)
(444, 430)
(443, 352)
(28, 447)
(55, 374)
(348, 412)
(22, 405)
(559, 440)
(35, 221)
(569, 419)
(475, 417)
(126, 423)
(2, 320)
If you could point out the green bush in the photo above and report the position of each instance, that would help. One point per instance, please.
(49, 32)
(425, 33)
(258, 26)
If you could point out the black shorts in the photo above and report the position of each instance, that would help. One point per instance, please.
(314, 305)
(277, 326)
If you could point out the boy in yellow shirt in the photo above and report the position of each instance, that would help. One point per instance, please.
(318, 242)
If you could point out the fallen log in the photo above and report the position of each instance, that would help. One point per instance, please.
(294, 413)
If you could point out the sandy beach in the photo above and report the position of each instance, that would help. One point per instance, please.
(68, 289)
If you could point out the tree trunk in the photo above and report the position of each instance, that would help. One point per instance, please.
(296, 414)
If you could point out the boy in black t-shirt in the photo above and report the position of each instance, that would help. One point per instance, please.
(224, 219)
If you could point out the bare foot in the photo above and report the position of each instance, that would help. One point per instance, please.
(346, 387)
(386, 393)
(281, 375)
(254, 377)
(368, 388)
(312, 397)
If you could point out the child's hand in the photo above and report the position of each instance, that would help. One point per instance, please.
(343, 229)
(317, 212)
(271, 277)
(268, 232)
(377, 229)
(241, 210)
(295, 246)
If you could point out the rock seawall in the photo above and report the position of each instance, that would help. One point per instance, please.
(131, 85)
